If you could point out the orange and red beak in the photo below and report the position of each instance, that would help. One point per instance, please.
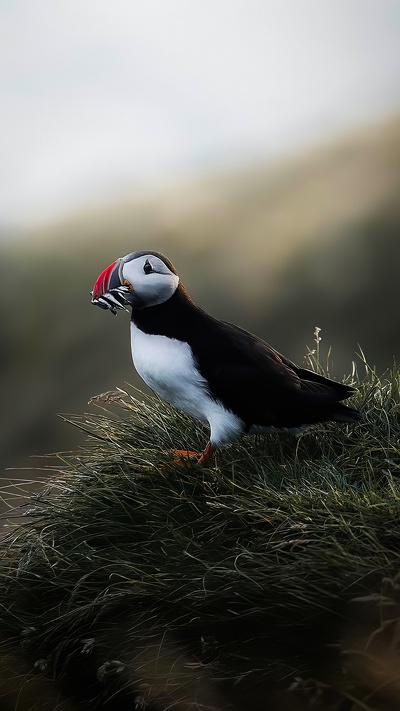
(110, 291)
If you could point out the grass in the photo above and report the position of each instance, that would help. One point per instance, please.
(270, 580)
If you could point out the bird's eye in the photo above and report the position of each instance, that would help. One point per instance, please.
(147, 268)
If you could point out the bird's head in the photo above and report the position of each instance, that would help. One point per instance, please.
(138, 280)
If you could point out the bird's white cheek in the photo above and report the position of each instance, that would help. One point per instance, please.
(159, 288)
(154, 289)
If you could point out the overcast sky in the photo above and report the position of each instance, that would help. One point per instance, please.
(97, 96)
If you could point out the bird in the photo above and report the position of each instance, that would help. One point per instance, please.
(213, 370)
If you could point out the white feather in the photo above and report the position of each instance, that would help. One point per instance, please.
(167, 366)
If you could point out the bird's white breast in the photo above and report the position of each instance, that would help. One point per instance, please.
(168, 367)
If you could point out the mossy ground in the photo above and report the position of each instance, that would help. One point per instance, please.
(268, 580)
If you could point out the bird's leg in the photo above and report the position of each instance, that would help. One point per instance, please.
(201, 458)
(206, 455)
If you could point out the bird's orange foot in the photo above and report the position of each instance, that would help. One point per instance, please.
(201, 458)
(183, 455)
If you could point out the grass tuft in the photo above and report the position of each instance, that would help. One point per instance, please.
(270, 580)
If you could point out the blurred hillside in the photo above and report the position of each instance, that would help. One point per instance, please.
(278, 249)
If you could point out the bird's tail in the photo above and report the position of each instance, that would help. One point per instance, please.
(343, 413)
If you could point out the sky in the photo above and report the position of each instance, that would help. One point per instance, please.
(98, 98)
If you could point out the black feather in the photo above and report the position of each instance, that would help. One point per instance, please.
(247, 375)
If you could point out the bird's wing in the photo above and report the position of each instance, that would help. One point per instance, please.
(260, 384)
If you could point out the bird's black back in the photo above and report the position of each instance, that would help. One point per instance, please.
(246, 374)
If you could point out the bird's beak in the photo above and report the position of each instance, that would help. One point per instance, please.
(110, 289)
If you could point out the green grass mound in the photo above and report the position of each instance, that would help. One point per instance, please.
(268, 580)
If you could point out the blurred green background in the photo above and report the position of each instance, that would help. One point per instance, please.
(256, 144)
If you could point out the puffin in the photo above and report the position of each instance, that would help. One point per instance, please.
(211, 369)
